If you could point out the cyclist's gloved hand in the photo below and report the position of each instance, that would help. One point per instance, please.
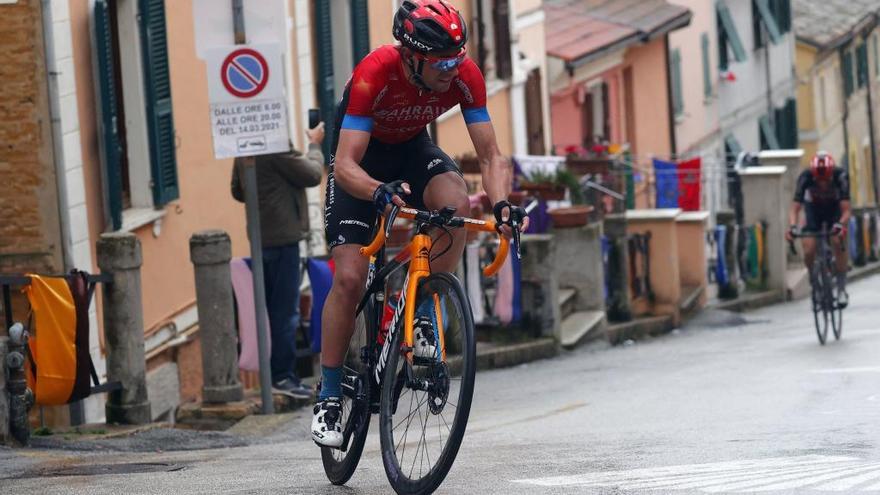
(838, 229)
(515, 214)
(385, 193)
(791, 233)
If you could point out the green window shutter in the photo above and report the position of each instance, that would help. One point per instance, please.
(112, 148)
(783, 15)
(732, 146)
(786, 124)
(768, 20)
(324, 79)
(876, 57)
(707, 74)
(757, 30)
(730, 34)
(793, 133)
(862, 64)
(768, 135)
(847, 69)
(675, 69)
(160, 121)
(360, 30)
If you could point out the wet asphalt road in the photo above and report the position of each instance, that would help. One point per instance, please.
(728, 404)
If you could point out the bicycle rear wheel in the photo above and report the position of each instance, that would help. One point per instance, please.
(425, 405)
(340, 465)
(820, 295)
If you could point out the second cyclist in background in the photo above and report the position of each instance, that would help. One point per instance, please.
(823, 193)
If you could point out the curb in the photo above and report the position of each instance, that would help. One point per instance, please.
(749, 301)
(515, 354)
(639, 328)
(863, 272)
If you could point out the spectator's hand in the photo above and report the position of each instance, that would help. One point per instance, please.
(316, 135)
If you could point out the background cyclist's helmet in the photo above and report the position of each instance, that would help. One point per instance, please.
(822, 165)
(429, 26)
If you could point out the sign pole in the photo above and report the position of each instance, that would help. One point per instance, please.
(252, 206)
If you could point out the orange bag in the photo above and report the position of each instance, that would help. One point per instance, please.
(59, 360)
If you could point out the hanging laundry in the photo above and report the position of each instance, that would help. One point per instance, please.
(666, 181)
(472, 280)
(689, 184)
(243, 287)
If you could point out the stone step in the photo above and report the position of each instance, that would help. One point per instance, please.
(581, 326)
(566, 301)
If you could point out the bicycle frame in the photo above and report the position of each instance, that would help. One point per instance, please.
(417, 254)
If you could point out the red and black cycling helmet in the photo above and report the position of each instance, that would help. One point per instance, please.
(429, 26)
(822, 165)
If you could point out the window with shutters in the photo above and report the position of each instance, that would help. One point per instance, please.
(138, 145)
(764, 23)
(767, 132)
(728, 37)
(675, 77)
(846, 67)
(862, 65)
(786, 125)
(707, 66)
(490, 32)
(337, 52)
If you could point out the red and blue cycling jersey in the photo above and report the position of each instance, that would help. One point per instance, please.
(380, 100)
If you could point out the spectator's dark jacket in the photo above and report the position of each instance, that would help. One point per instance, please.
(281, 182)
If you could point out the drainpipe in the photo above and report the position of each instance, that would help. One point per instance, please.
(845, 117)
(869, 98)
(57, 136)
(669, 104)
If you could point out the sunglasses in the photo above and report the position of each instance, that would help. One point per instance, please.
(445, 64)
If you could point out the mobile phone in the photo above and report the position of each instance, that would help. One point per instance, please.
(314, 117)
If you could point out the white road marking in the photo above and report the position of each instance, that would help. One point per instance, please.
(849, 483)
(814, 472)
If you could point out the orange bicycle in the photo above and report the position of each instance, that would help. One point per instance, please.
(419, 375)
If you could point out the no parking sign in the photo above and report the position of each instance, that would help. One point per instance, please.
(248, 111)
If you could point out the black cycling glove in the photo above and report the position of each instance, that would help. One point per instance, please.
(517, 214)
(384, 193)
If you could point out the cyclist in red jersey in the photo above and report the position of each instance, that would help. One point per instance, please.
(383, 154)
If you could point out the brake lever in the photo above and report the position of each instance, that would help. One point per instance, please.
(516, 237)
(389, 220)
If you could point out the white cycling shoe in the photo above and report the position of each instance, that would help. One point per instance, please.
(424, 338)
(327, 423)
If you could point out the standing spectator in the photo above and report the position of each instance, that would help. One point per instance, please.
(284, 222)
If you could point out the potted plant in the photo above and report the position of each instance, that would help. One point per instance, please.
(543, 184)
(576, 215)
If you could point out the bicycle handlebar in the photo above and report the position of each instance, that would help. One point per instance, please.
(468, 223)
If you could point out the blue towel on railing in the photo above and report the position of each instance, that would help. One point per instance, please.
(666, 174)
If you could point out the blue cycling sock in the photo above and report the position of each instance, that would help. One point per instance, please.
(331, 382)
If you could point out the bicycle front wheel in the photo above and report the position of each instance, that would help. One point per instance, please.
(836, 312)
(821, 295)
(425, 404)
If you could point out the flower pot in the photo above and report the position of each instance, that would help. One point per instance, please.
(581, 165)
(545, 191)
(571, 216)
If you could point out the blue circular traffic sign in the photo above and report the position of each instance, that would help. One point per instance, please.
(244, 73)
